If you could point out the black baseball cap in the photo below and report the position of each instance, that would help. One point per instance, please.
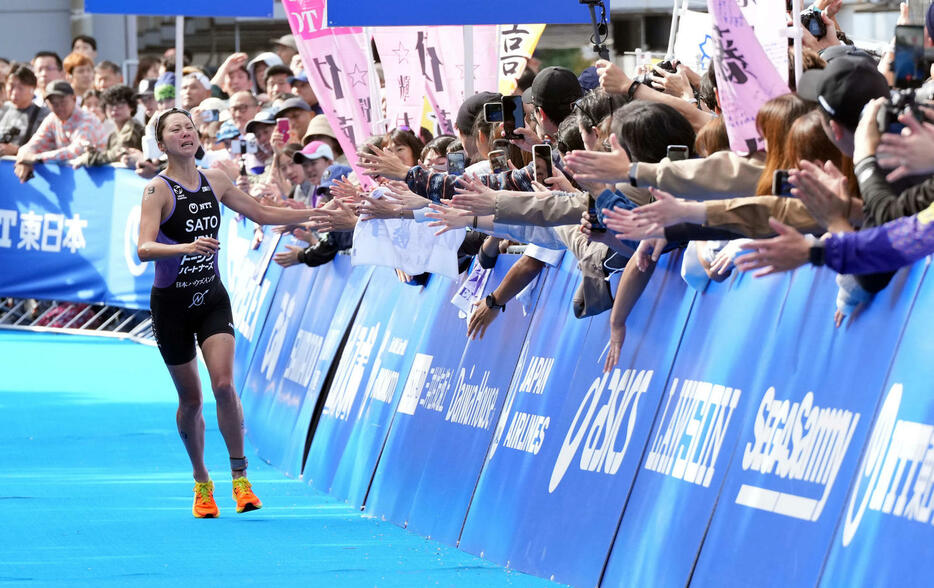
(471, 108)
(843, 88)
(59, 88)
(555, 86)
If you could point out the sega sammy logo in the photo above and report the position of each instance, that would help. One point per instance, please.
(896, 476)
(599, 419)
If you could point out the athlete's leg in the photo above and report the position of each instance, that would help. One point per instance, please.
(218, 352)
(189, 418)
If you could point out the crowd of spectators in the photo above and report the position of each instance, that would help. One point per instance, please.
(613, 193)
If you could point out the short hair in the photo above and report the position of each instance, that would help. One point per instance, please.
(52, 54)
(74, 60)
(116, 94)
(87, 39)
(92, 93)
(405, 137)
(439, 145)
(25, 75)
(594, 106)
(253, 100)
(708, 88)
(113, 67)
(568, 137)
(646, 129)
(277, 69)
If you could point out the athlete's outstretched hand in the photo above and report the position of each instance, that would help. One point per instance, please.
(202, 246)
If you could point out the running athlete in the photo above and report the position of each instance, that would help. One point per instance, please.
(178, 230)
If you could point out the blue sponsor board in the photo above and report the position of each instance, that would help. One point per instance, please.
(553, 488)
(370, 13)
(344, 402)
(408, 326)
(263, 409)
(209, 8)
(329, 310)
(71, 235)
(800, 446)
(460, 406)
(417, 417)
(885, 534)
(251, 277)
(695, 431)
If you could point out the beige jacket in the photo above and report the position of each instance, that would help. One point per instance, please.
(750, 216)
(722, 175)
(550, 210)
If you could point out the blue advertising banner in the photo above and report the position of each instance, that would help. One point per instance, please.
(250, 276)
(450, 408)
(329, 309)
(273, 350)
(416, 419)
(884, 536)
(695, 431)
(408, 326)
(257, 8)
(373, 13)
(71, 235)
(799, 448)
(344, 403)
(553, 488)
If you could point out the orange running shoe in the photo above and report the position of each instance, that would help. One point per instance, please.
(204, 506)
(243, 494)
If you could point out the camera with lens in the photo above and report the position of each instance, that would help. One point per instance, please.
(10, 135)
(812, 21)
(667, 65)
(901, 101)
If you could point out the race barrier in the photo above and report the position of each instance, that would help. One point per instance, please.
(742, 439)
(71, 235)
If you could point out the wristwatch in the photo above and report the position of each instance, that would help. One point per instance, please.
(816, 253)
(632, 174)
(491, 304)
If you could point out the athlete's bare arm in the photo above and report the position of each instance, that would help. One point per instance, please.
(233, 197)
(156, 207)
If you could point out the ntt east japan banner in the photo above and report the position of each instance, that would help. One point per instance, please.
(71, 235)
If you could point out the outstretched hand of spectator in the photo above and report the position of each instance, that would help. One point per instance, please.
(480, 319)
(790, 249)
(448, 218)
(910, 153)
(382, 162)
(648, 252)
(407, 199)
(628, 226)
(600, 166)
(615, 345)
(825, 192)
(668, 210)
(287, 258)
(345, 190)
(475, 198)
(333, 216)
(370, 208)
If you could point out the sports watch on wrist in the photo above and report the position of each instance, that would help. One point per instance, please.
(492, 305)
(816, 253)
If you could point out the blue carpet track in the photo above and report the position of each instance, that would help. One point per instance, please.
(95, 490)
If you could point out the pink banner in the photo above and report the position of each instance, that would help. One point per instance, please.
(337, 67)
(746, 78)
(402, 70)
(437, 86)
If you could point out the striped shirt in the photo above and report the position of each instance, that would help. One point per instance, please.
(61, 141)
